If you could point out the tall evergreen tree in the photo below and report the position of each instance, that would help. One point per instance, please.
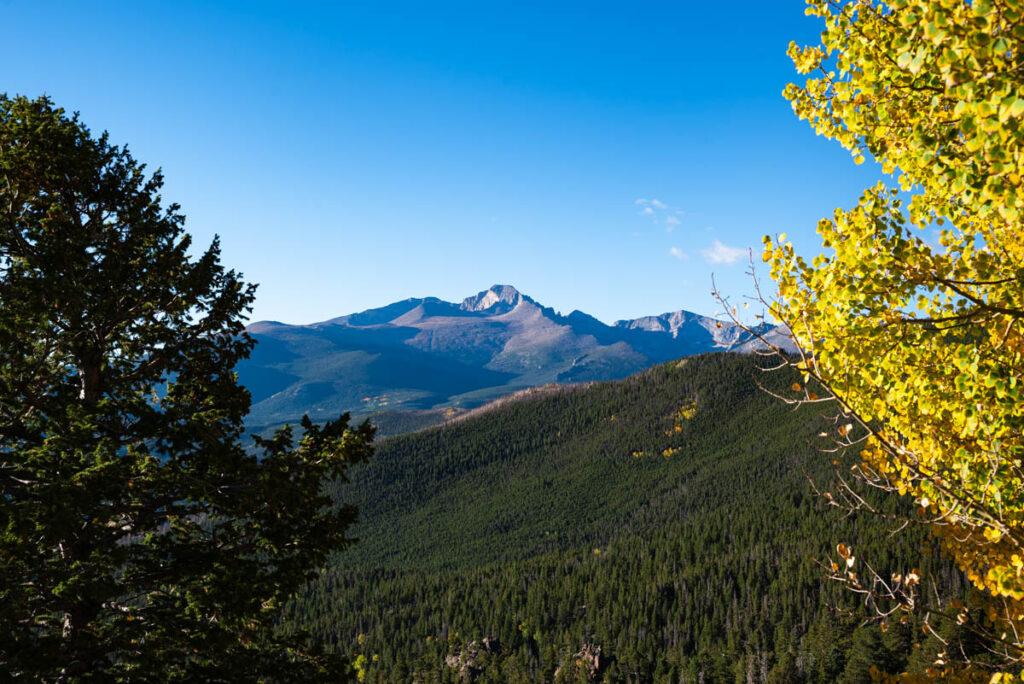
(140, 539)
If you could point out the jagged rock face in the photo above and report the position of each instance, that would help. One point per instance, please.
(498, 299)
(668, 322)
(425, 353)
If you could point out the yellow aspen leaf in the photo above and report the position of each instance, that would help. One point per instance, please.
(921, 339)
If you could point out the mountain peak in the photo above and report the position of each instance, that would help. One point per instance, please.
(497, 299)
(425, 353)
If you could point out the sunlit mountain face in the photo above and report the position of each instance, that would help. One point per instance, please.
(426, 354)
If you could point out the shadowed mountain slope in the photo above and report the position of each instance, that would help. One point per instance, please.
(425, 353)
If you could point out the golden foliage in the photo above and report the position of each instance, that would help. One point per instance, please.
(912, 317)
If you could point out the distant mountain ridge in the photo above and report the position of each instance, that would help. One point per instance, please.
(426, 353)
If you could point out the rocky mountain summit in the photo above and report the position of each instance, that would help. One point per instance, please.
(426, 353)
(497, 300)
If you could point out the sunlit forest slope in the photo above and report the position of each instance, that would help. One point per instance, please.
(657, 528)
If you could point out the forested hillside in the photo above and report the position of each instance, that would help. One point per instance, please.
(650, 529)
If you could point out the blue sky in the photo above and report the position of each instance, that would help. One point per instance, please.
(602, 156)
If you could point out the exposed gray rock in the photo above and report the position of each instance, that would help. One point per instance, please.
(587, 664)
(470, 660)
(498, 299)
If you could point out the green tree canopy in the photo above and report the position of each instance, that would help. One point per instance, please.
(140, 539)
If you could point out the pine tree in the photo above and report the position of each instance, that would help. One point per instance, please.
(140, 538)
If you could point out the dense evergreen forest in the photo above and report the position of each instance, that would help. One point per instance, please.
(658, 528)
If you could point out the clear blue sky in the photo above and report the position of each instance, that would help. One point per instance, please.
(351, 154)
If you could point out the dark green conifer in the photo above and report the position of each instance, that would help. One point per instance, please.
(140, 539)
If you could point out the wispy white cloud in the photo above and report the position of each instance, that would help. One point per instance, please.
(678, 253)
(720, 253)
(660, 213)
